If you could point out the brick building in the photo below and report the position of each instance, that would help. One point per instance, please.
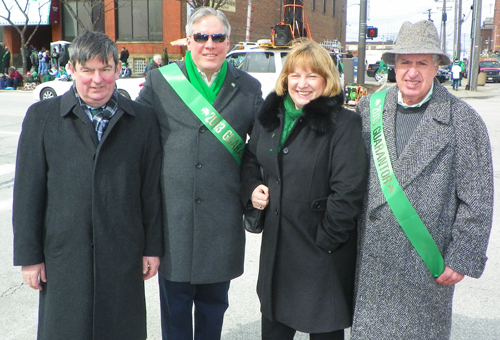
(145, 27)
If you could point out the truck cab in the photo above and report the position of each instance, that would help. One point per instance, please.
(265, 65)
(492, 69)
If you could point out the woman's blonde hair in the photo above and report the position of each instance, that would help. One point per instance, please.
(309, 55)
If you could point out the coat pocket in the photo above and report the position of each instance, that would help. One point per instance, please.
(319, 204)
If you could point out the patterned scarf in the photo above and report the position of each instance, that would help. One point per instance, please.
(100, 116)
(209, 93)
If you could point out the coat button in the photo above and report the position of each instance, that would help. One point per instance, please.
(198, 165)
(373, 218)
(278, 181)
(317, 205)
(276, 212)
(286, 151)
(197, 200)
(203, 129)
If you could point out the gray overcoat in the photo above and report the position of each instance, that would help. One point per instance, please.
(204, 237)
(90, 211)
(446, 172)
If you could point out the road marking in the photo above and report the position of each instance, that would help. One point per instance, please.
(7, 169)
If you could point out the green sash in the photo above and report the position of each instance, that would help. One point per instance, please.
(204, 111)
(401, 207)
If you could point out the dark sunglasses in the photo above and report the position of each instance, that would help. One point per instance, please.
(203, 38)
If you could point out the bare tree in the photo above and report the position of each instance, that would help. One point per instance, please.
(216, 4)
(24, 9)
(94, 10)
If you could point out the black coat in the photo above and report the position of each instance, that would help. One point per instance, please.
(6, 59)
(90, 211)
(316, 185)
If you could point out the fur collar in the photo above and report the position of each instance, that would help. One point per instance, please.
(320, 114)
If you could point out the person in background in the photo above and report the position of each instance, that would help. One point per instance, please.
(62, 74)
(42, 62)
(34, 60)
(164, 56)
(3, 82)
(125, 71)
(124, 55)
(313, 158)
(6, 60)
(456, 75)
(15, 78)
(156, 63)
(202, 215)
(54, 58)
(428, 210)
(87, 202)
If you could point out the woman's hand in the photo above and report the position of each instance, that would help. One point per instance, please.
(260, 197)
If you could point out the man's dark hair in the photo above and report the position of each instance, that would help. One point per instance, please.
(91, 45)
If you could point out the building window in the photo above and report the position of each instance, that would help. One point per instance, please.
(139, 65)
(90, 14)
(333, 11)
(140, 20)
(324, 6)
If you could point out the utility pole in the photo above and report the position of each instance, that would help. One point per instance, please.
(476, 44)
(443, 28)
(457, 48)
(249, 21)
(362, 42)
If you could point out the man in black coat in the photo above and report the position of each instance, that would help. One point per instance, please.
(87, 202)
(6, 60)
(124, 55)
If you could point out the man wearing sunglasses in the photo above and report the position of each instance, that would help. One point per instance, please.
(203, 144)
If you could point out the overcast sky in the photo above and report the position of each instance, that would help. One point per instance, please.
(389, 15)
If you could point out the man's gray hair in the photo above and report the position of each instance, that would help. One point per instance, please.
(156, 56)
(203, 12)
(91, 45)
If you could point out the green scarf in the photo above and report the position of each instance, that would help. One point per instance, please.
(291, 115)
(209, 93)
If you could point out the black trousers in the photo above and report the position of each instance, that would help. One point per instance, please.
(177, 299)
(273, 330)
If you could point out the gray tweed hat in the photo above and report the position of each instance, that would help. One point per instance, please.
(419, 38)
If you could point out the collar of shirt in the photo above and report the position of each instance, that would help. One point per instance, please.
(425, 100)
(205, 78)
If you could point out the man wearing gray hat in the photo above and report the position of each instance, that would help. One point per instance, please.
(428, 211)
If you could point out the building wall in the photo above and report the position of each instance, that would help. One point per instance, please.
(266, 14)
(495, 33)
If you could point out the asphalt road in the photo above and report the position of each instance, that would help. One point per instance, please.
(476, 304)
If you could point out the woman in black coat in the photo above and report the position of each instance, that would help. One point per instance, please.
(315, 166)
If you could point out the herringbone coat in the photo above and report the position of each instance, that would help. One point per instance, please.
(446, 172)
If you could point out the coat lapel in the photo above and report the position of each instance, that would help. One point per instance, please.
(228, 90)
(431, 135)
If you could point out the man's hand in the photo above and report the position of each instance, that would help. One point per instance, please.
(34, 274)
(449, 277)
(150, 266)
